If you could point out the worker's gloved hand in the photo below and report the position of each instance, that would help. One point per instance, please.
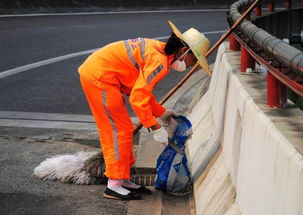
(161, 136)
(165, 118)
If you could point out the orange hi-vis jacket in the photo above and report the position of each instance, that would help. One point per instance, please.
(134, 66)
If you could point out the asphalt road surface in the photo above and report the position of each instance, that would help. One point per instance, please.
(33, 47)
(41, 95)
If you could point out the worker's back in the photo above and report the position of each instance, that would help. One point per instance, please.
(120, 63)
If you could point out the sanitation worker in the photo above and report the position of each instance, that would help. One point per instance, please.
(133, 67)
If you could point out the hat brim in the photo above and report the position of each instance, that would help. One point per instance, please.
(203, 63)
(201, 59)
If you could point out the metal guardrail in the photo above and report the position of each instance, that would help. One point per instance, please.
(280, 50)
(257, 44)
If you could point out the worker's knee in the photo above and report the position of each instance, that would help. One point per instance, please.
(113, 101)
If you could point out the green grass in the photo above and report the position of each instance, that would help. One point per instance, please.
(298, 100)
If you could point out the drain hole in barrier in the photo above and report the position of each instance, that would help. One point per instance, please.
(95, 167)
(144, 180)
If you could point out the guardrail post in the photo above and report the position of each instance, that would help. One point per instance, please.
(233, 43)
(276, 92)
(288, 4)
(258, 11)
(271, 7)
(247, 61)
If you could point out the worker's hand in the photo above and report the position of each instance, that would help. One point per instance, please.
(165, 118)
(161, 136)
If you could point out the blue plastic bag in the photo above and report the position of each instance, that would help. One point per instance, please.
(173, 174)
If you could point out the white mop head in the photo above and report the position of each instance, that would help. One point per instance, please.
(67, 168)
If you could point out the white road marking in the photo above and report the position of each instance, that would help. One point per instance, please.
(27, 67)
(20, 69)
(49, 120)
(114, 12)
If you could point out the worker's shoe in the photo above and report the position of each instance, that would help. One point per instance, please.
(110, 194)
(142, 190)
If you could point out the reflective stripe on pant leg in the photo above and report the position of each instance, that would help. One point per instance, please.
(115, 106)
(114, 127)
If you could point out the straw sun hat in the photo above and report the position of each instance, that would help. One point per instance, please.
(197, 42)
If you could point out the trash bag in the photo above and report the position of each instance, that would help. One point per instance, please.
(172, 172)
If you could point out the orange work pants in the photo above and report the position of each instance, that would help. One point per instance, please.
(114, 126)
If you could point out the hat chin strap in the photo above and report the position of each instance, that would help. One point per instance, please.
(184, 53)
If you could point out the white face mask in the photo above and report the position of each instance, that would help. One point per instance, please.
(178, 65)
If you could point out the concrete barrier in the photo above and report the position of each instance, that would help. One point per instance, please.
(240, 161)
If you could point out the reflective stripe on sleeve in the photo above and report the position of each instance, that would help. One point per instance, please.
(129, 52)
(142, 48)
(112, 124)
(155, 72)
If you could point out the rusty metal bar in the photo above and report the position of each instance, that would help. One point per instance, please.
(247, 61)
(276, 92)
(258, 11)
(276, 72)
(271, 7)
(288, 4)
(233, 43)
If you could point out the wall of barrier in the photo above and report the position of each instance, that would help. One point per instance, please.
(246, 154)
(240, 160)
